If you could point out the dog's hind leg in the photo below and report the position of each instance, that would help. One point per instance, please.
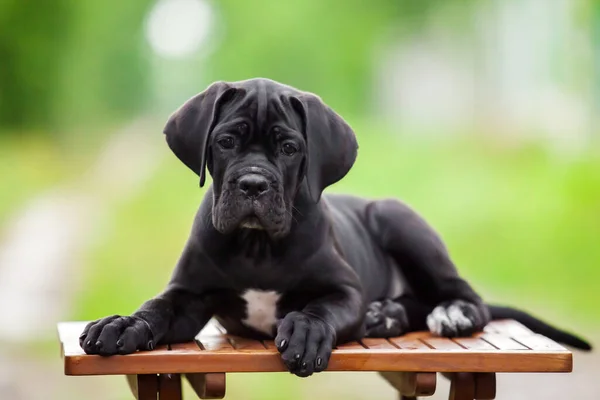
(455, 308)
(395, 317)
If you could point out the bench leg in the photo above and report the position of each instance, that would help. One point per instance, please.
(153, 387)
(411, 384)
(462, 386)
(485, 386)
(470, 386)
(143, 387)
(208, 386)
(169, 387)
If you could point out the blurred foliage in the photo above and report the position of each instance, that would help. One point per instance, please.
(26, 167)
(32, 51)
(288, 39)
(70, 62)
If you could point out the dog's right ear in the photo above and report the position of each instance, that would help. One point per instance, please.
(189, 128)
(332, 145)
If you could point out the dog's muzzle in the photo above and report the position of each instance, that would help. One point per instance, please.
(251, 198)
(253, 186)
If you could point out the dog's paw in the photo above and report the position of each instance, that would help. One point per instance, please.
(386, 319)
(116, 335)
(305, 343)
(455, 318)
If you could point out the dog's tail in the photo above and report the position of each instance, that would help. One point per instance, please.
(538, 326)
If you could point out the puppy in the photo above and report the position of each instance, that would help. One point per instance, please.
(270, 256)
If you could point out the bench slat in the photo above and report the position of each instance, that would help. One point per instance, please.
(243, 344)
(372, 343)
(414, 352)
(351, 346)
(191, 347)
(214, 343)
(538, 342)
(511, 328)
(475, 343)
(411, 341)
(438, 343)
(269, 344)
(502, 342)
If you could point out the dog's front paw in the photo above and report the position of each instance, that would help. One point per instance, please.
(456, 318)
(386, 319)
(116, 335)
(305, 343)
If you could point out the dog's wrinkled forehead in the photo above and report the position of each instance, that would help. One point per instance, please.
(261, 101)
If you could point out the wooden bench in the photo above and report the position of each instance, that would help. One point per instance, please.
(409, 362)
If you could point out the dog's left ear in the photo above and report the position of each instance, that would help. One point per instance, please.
(332, 145)
(188, 129)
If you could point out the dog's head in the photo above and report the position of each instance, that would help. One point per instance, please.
(261, 142)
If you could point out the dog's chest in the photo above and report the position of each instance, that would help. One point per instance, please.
(261, 309)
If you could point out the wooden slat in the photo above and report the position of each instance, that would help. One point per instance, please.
(191, 347)
(413, 355)
(242, 344)
(373, 344)
(538, 342)
(351, 346)
(490, 328)
(502, 342)
(474, 343)
(438, 343)
(214, 343)
(411, 341)
(360, 360)
(69, 337)
(269, 344)
(510, 328)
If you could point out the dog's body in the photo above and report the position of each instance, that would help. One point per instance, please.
(268, 256)
(266, 281)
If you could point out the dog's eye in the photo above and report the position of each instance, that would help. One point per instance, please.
(289, 149)
(226, 142)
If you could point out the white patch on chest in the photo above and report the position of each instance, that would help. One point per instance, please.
(261, 309)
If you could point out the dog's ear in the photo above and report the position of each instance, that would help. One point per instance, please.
(332, 145)
(188, 129)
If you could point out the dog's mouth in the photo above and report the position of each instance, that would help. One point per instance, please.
(252, 222)
(233, 211)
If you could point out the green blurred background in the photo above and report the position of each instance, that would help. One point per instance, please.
(482, 113)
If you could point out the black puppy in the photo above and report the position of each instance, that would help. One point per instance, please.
(268, 256)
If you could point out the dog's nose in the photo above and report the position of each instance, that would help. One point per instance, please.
(253, 185)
